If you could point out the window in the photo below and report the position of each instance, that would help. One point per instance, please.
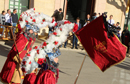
(20, 5)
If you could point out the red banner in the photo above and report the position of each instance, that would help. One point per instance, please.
(104, 51)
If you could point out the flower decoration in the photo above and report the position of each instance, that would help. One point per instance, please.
(44, 44)
(52, 21)
(20, 19)
(37, 51)
(55, 33)
(55, 42)
(67, 22)
(23, 69)
(43, 20)
(33, 20)
(26, 21)
(60, 29)
(35, 47)
(40, 61)
(28, 55)
(24, 62)
(30, 62)
(30, 17)
(34, 9)
(55, 24)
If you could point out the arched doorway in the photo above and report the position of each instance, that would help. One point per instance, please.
(79, 8)
(20, 5)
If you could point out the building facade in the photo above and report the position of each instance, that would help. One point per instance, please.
(71, 8)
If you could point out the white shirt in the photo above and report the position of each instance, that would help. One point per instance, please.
(85, 24)
(111, 21)
(8, 18)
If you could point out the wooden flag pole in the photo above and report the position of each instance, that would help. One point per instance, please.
(80, 70)
(15, 45)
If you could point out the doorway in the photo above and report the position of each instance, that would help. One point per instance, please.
(79, 8)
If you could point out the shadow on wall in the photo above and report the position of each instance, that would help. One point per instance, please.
(43, 32)
(117, 5)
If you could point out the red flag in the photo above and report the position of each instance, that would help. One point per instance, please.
(104, 51)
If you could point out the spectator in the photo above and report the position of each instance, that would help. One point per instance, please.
(117, 24)
(125, 37)
(2, 21)
(8, 20)
(60, 15)
(88, 21)
(51, 29)
(118, 30)
(56, 14)
(88, 18)
(75, 40)
(98, 14)
(119, 33)
(94, 16)
(111, 21)
(14, 18)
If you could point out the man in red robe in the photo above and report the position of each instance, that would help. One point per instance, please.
(11, 72)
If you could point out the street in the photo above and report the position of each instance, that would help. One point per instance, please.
(70, 62)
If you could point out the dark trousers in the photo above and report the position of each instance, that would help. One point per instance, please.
(75, 41)
(65, 43)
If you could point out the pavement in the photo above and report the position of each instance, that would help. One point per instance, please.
(70, 62)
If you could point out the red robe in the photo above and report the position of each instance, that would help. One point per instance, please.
(30, 78)
(46, 77)
(23, 45)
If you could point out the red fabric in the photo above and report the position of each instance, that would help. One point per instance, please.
(47, 77)
(10, 65)
(104, 51)
(75, 28)
(30, 79)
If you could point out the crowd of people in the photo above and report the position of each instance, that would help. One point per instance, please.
(11, 19)
(8, 18)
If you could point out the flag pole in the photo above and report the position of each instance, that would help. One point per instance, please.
(15, 44)
(80, 70)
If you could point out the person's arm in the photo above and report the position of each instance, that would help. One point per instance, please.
(6, 17)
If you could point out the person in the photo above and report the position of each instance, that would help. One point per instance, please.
(119, 33)
(75, 40)
(49, 72)
(111, 21)
(8, 21)
(51, 29)
(60, 15)
(94, 16)
(8, 18)
(14, 18)
(2, 21)
(98, 14)
(125, 37)
(88, 21)
(11, 72)
(88, 18)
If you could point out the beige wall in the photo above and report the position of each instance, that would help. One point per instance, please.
(47, 7)
(116, 8)
(2, 5)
